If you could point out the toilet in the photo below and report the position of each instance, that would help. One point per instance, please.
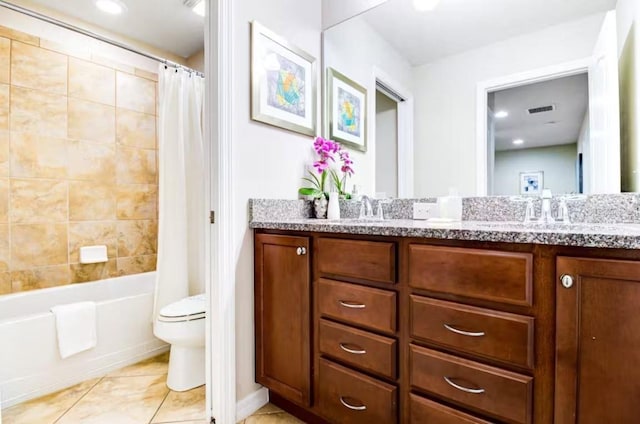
(182, 325)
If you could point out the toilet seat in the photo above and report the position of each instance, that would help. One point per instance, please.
(188, 309)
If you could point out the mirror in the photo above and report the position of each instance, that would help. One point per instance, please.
(491, 98)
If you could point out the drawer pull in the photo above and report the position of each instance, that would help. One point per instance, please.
(353, 408)
(464, 389)
(464, 333)
(344, 347)
(352, 305)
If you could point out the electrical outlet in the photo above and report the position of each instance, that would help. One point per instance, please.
(424, 211)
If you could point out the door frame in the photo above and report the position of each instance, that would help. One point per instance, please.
(483, 89)
(220, 273)
(405, 129)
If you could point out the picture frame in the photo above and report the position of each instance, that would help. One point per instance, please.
(531, 183)
(283, 83)
(346, 111)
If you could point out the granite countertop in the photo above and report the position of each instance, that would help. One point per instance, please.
(619, 236)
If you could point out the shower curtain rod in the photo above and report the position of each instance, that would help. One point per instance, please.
(98, 37)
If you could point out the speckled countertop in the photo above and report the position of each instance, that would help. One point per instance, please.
(614, 236)
(599, 228)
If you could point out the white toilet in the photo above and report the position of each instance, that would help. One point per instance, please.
(182, 325)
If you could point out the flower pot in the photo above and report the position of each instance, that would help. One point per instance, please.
(320, 207)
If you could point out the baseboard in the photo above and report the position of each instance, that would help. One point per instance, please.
(250, 404)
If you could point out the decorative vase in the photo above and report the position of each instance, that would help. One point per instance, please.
(320, 207)
(333, 211)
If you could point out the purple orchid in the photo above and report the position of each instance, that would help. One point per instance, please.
(327, 151)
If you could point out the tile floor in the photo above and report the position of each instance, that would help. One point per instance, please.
(133, 395)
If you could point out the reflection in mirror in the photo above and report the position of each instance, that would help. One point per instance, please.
(90, 105)
(450, 63)
(539, 137)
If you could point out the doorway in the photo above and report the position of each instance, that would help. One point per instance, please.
(386, 145)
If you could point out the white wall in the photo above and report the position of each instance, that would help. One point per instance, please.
(336, 11)
(386, 145)
(355, 49)
(268, 162)
(445, 93)
(628, 24)
(557, 162)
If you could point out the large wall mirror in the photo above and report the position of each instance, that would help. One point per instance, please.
(492, 98)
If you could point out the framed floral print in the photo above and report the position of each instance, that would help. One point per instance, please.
(283, 83)
(347, 111)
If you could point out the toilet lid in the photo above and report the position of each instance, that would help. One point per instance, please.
(194, 305)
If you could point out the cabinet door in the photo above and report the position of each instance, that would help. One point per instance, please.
(597, 341)
(282, 315)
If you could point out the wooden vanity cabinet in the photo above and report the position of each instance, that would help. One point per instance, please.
(283, 315)
(597, 341)
(401, 330)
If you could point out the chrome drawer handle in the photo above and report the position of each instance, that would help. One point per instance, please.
(464, 333)
(464, 389)
(352, 305)
(353, 408)
(354, 351)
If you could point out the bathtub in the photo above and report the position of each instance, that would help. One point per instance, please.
(30, 365)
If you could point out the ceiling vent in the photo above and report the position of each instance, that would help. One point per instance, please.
(541, 109)
(191, 3)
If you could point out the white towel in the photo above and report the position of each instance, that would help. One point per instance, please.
(76, 327)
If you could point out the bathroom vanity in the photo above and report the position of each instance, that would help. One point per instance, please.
(405, 322)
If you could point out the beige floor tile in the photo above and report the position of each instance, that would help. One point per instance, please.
(47, 409)
(269, 408)
(153, 366)
(177, 406)
(122, 400)
(279, 418)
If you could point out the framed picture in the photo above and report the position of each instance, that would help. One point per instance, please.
(347, 111)
(531, 182)
(283, 83)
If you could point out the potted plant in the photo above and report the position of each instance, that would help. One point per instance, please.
(327, 151)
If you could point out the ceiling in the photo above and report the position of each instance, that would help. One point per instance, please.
(459, 25)
(570, 95)
(165, 24)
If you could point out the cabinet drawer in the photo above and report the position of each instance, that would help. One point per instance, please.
(505, 395)
(368, 260)
(427, 411)
(498, 335)
(482, 274)
(373, 308)
(346, 396)
(358, 348)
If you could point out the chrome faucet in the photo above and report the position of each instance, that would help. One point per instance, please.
(545, 210)
(366, 210)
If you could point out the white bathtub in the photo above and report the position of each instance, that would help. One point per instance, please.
(30, 365)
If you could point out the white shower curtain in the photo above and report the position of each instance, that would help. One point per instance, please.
(181, 208)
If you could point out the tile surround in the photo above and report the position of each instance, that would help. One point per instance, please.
(37, 68)
(74, 169)
(92, 82)
(5, 60)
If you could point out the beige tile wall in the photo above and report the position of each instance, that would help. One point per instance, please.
(78, 164)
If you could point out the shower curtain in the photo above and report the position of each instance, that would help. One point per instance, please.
(181, 208)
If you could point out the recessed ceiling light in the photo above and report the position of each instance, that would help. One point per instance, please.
(518, 141)
(113, 7)
(425, 5)
(501, 114)
(199, 8)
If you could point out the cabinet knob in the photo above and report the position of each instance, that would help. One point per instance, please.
(567, 281)
(300, 251)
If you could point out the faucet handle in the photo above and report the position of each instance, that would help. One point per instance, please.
(530, 212)
(563, 212)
